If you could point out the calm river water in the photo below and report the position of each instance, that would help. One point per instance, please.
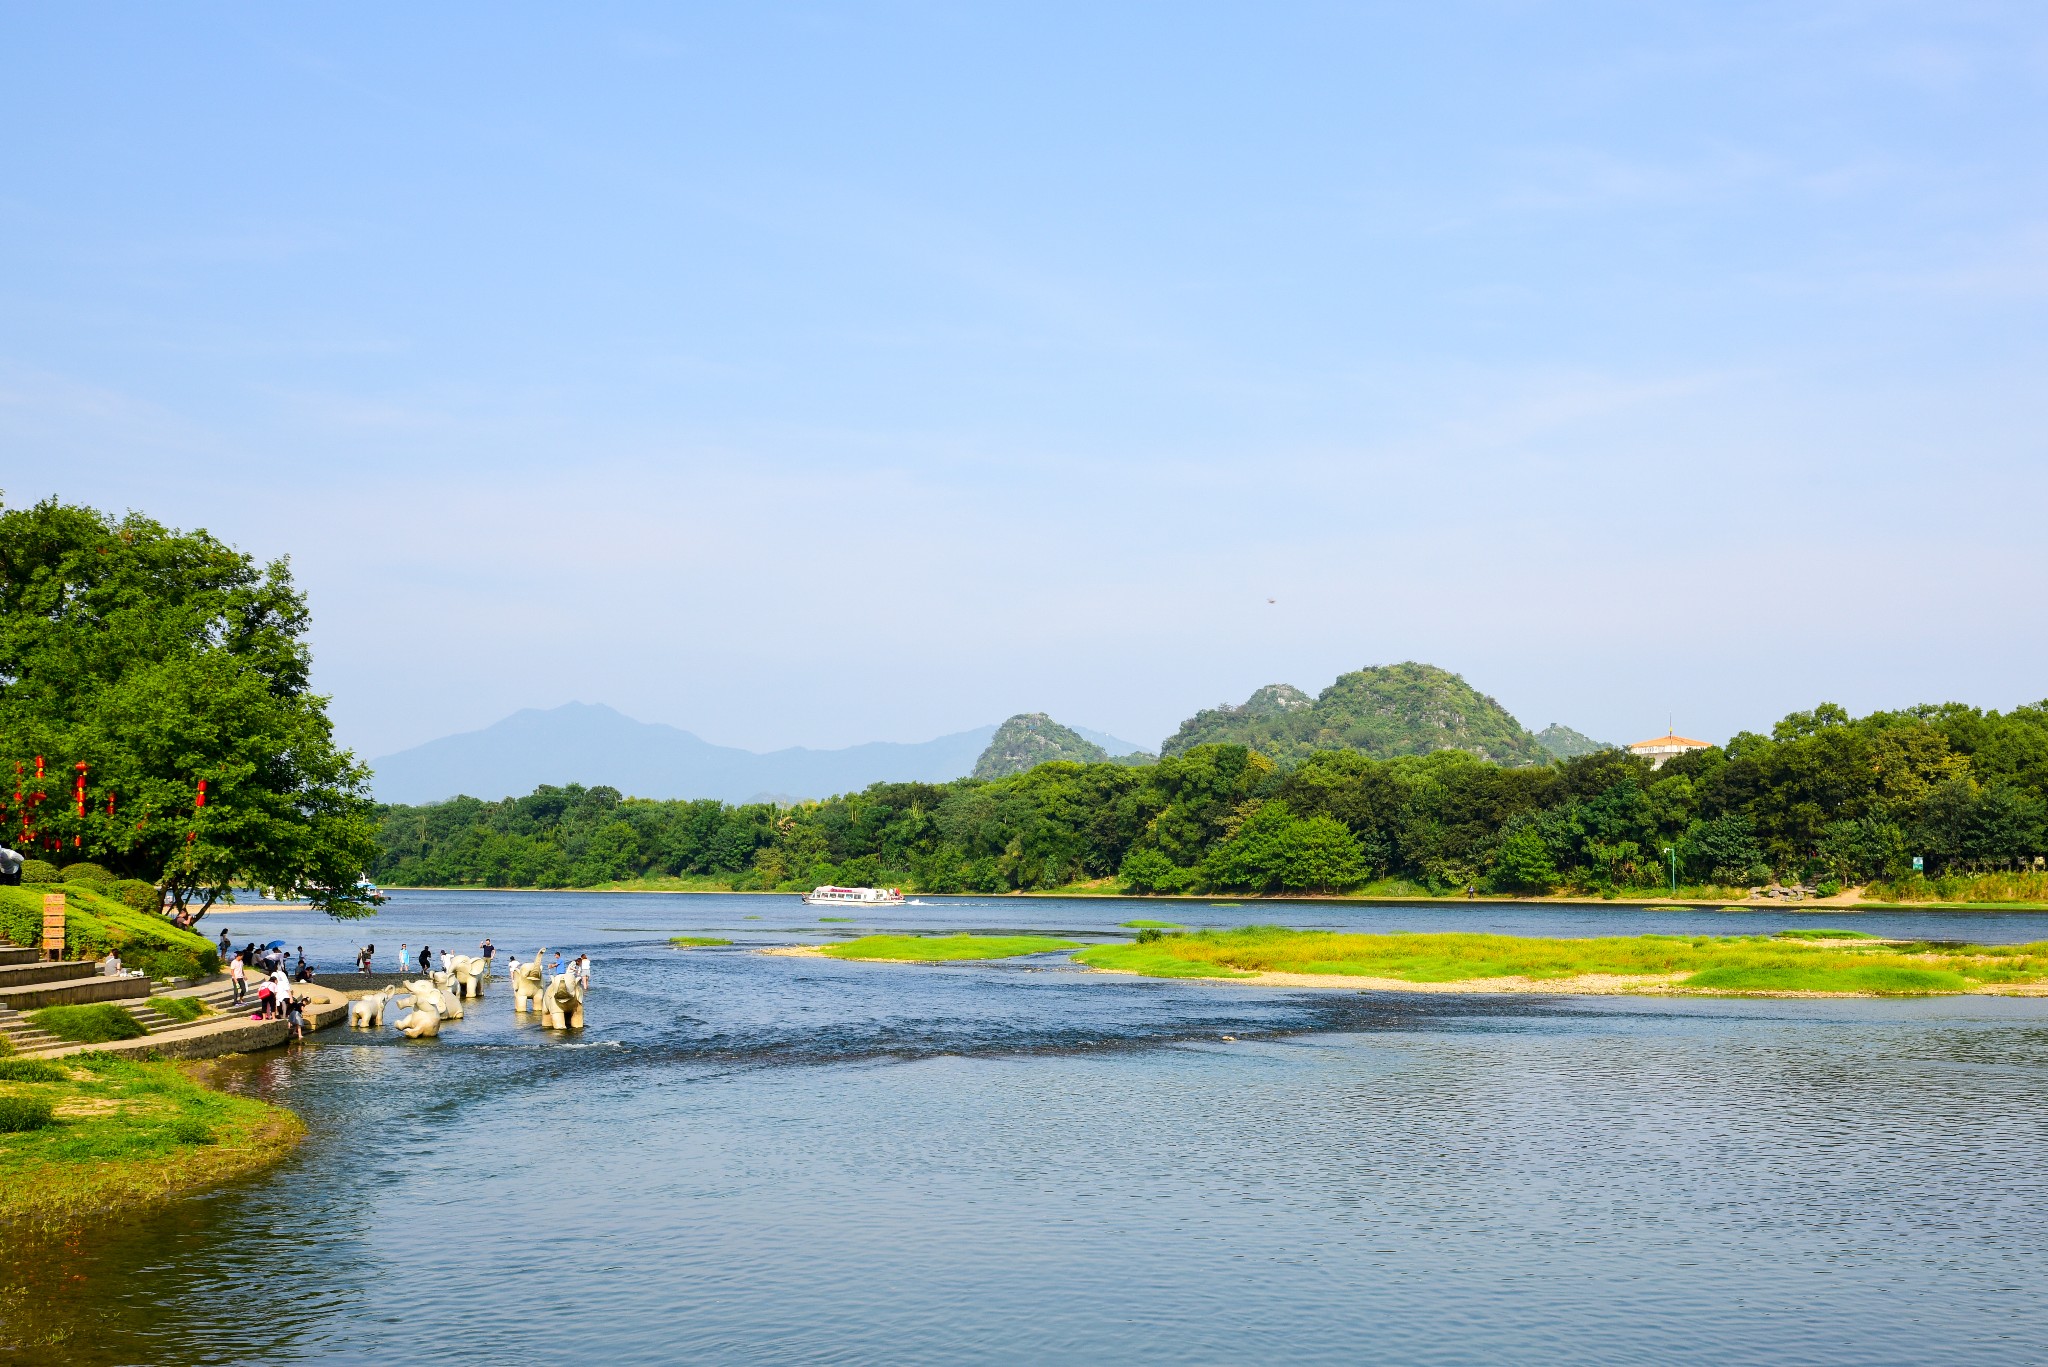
(748, 1158)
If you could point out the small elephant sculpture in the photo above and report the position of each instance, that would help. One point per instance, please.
(367, 1013)
(444, 1002)
(561, 1005)
(468, 974)
(528, 981)
(422, 1022)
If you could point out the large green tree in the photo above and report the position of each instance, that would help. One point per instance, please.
(162, 659)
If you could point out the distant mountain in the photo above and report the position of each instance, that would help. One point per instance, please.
(1111, 745)
(589, 744)
(1030, 739)
(1384, 711)
(1566, 743)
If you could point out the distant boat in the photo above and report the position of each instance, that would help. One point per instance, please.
(854, 897)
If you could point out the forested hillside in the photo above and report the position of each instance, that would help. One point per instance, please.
(1823, 797)
(1384, 712)
(1030, 739)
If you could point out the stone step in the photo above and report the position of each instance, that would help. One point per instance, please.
(14, 954)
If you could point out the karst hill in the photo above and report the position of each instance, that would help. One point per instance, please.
(1382, 711)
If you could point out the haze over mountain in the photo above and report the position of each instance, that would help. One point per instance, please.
(592, 744)
(1382, 711)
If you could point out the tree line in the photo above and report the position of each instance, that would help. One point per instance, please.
(1825, 797)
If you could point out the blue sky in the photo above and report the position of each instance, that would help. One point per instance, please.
(819, 374)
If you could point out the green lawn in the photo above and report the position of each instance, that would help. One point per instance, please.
(125, 1134)
(697, 941)
(1709, 963)
(932, 949)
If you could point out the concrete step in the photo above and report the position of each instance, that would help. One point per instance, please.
(31, 971)
(73, 991)
(14, 954)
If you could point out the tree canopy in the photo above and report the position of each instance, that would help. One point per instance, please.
(1823, 797)
(162, 660)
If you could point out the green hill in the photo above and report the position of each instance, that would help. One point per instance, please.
(1030, 739)
(1566, 743)
(1387, 710)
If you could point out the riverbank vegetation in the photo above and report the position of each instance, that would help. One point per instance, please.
(124, 1134)
(1825, 799)
(95, 923)
(697, 941)
(931, 949)
(1794, 962)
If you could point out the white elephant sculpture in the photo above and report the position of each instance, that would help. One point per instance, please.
(561, 1005)
(422, 1022)
(367, 1013)
(528, 981)
(468, 974)
(431, 991)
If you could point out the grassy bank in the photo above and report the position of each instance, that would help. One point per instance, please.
(1982, 889)
(932, 949)
(123, 1134)
(697, 941)
(1763, 964)
(95, 923)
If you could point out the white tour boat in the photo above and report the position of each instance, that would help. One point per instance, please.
(853, 897)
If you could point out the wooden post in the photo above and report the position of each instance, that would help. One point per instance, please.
(53, 925)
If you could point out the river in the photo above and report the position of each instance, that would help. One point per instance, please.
(751, 1158)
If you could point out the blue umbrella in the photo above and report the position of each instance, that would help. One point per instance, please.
(275, 944)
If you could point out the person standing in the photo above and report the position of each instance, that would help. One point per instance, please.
(426, 957)
(401, 956)
(582, 968)
(227, 947)
(239, 976)
(488, 950)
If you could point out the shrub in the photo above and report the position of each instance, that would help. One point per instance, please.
(94, 875)
(186, 1130)
(94, 1024)
(31, 1070)
(1830, 888)
(38, 871)
(19, 1113)
(139, 893)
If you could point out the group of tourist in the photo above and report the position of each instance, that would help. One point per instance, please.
(274, 998)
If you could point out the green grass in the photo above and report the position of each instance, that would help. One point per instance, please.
(95, 923)
(1821, 934)
(1151, 925)
(30, 1070)
(697, 941)
(97, 1023)
(931, 949)
(827, 920)
(185, 1009)
(128, 1133)
(1702, 963)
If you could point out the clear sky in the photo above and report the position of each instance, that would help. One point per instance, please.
(812, 374)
